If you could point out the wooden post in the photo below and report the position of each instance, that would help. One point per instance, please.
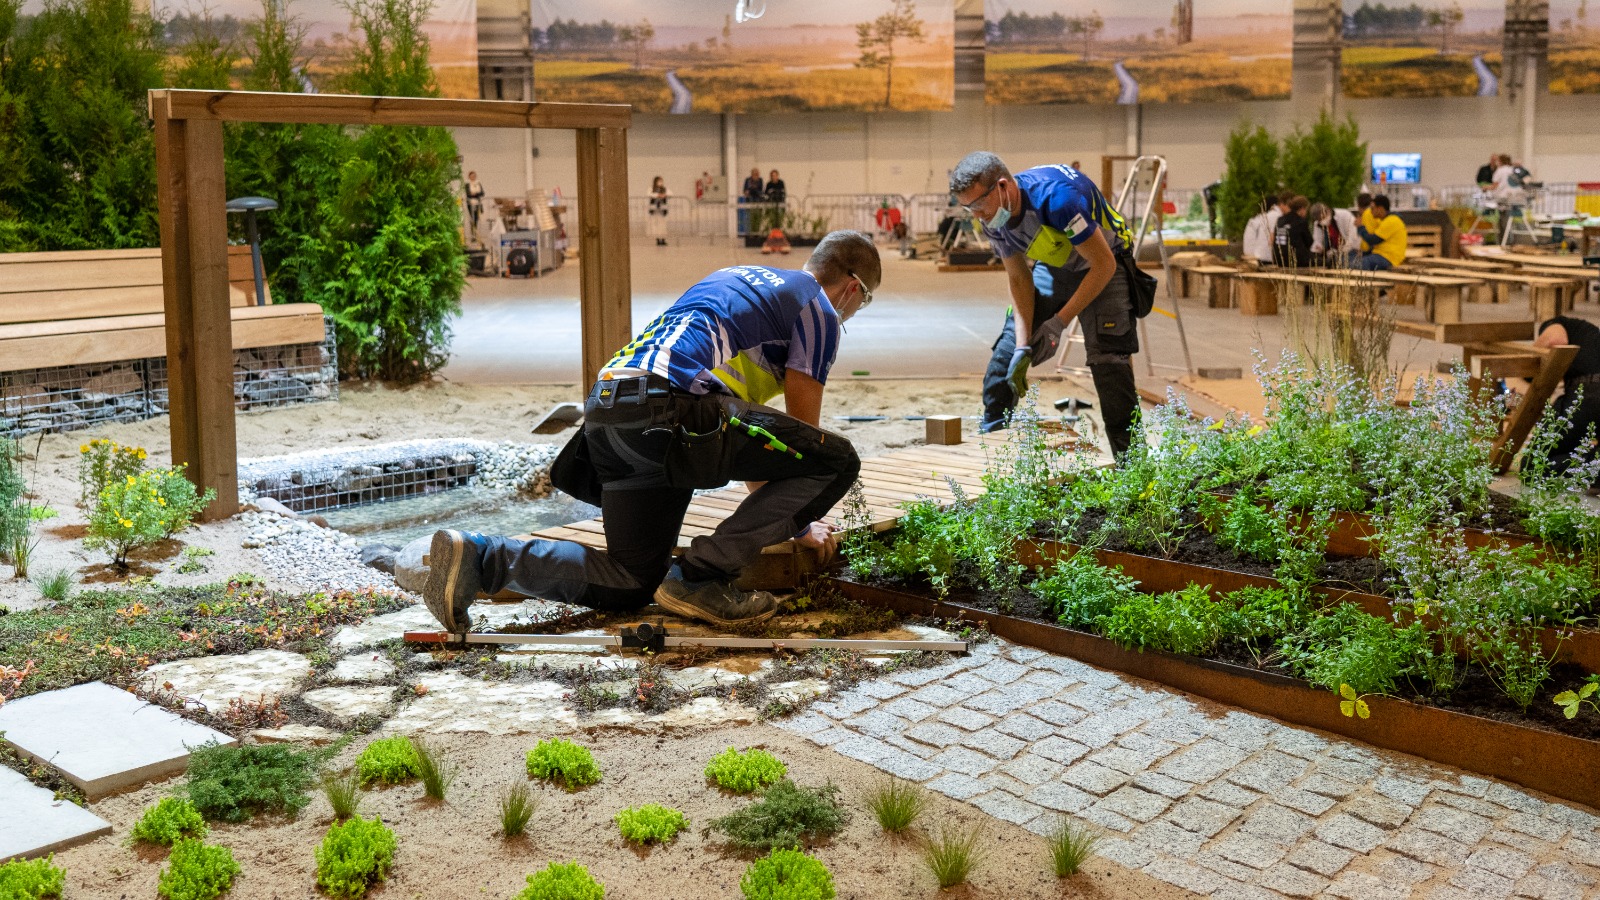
(605, 286)
(1527, 413)
(1257, 296)
(191, 197)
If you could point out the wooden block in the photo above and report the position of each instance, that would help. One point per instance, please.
(943, 429)
(1402, 294)
(1257, 297)
(1221, 373)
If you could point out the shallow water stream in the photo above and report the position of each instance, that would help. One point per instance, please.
(398, 522)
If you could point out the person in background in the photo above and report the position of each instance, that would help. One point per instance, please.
(776, 191)
(701, 185)
(1579, 402)
(1486, 171)
(656, 222)
(1334, 241)
(702, 369)
(1291, 237)
(1384, 244)
(1364, 210)
(752, 192)
(1259, 230)
(474, 191)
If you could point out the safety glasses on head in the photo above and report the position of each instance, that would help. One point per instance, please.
(866, 292)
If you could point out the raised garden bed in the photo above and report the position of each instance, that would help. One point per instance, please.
(1533, 757)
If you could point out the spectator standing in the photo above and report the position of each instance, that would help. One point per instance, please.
(656, 222)
(776, 192)
(752, 192)
(1291, 237)
(1486, 171)
(1259, 230)
(1384, 244)
(474, 191)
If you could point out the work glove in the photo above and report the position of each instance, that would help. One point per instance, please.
(1046, 338)
(1017, 372)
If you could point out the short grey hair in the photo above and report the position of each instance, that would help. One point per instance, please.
(978, 167)
(843, 253)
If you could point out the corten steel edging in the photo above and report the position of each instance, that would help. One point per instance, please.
(1161, 575)
(1541, 760)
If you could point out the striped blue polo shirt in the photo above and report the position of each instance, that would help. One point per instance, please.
(739, 331)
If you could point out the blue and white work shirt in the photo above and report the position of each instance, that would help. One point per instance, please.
(739, 331)
(1061, 208)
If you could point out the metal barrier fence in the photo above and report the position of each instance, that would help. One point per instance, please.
(686, 217)
(1557, 199)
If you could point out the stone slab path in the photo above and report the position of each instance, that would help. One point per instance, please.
(34, 823)
(102, 739)
(1221, 803)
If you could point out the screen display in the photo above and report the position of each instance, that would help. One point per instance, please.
(1397, 168)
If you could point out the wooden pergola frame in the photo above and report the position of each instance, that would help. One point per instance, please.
(191, 191)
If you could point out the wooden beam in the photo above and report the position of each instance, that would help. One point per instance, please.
(343, 109)
(605, 280)
(191, 196)
(1466, 332)
(1528, 411)
(1507, 365)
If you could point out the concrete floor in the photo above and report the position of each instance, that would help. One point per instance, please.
(922, 323)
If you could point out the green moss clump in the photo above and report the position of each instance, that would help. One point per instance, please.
(787, 875)
(391, 760)
(353, 856)
(747, 772)
(31, 879)
(785, 817)
(197, 872)
(169, 821)
(562, 881)
(231, 784)
(565, 762)
(651, 822)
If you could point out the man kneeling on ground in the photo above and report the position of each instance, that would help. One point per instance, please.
(676, 410)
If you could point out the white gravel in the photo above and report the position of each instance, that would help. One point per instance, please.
(297, 553)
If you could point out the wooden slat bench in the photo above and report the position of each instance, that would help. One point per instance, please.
(1442, 296)
(1547, 296)
(1213, 280)
(92, 323)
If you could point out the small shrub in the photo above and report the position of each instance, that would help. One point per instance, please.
(787, 875)
(562, 881)
(564, 762)
(142, 509)
(1080, 591)
(784, 817)
(31, 879)
(343, 791)
(953, 855)
(169, 821)
(353, 856)
(747, 772)
(651, 822)
(56, 585)
(231, 784)
(896, 804)
(1070, 845)
(1185, 621)
(196, 871)
(436, 771)
(102, 463)
(391, 760)
(517, 806)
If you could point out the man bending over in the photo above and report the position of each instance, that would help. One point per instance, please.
(679, 409)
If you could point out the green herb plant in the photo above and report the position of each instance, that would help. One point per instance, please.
(390, 760)
(197, 871)
(169, 821)
(1572, 702)
(353, 856)
(787, 875)
(745, 772)
(785, 816)
(563, 762)
(231, 784)
(1185, 621)
(562, 881)
(32, 879)
(650, 823)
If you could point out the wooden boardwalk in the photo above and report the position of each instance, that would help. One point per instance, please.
(887, 481)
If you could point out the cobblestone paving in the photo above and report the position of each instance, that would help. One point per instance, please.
(1221, 803)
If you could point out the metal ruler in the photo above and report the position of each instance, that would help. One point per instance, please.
(656, 638)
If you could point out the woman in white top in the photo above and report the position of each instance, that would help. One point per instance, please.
(656, 221)
(1258, 232)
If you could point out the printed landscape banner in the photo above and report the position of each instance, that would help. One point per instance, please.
(1428, 48)
(1574, 47)
(452, 30)
(1153, 51)
(747, 56)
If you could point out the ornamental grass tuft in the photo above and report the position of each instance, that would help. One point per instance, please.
(343, 791)
(1071, 844)
(953, 855)
(517, 807)
(896, 803)
(436, 770)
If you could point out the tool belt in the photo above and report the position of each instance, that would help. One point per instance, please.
(1585, 381)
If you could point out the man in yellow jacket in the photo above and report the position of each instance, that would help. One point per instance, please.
(1383, 237)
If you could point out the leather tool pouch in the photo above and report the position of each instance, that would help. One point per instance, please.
(701, 451)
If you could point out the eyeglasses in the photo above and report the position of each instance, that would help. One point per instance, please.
(866, 292)
(969, 207)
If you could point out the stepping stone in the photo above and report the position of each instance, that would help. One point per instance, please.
(346, 703)
(103, 739)
(34, 823)
(362, 668)
(216, 681)
(315, 735)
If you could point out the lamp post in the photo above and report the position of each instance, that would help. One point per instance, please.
(250, 206)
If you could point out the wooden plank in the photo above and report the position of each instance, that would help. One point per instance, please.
(1527, 413)
(604, 294)
(50, 306)
(82, 255)
(343, 109)
(1506, 365)
(192, 197)
(148, 340)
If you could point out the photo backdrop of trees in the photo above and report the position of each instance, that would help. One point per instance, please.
(1426, 48)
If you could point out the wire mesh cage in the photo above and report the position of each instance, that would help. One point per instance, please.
(324, 480)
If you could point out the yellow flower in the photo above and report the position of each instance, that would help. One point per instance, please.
(127, 523)
(141, 453)
(83, 448)
(131, 479)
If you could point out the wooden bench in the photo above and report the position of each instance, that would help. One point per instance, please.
(1442, 296)
(1471, 265)
(81, 307)
(1214, 280)
(1547, 296)
(1256, 293)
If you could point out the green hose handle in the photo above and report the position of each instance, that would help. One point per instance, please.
(756, 431)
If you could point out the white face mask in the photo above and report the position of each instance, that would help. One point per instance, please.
(1000, 218)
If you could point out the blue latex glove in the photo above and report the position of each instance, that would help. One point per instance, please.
(1046, 338)
(1017, 372)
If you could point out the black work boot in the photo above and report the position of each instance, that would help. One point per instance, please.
(713, 600)
(454, 569)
